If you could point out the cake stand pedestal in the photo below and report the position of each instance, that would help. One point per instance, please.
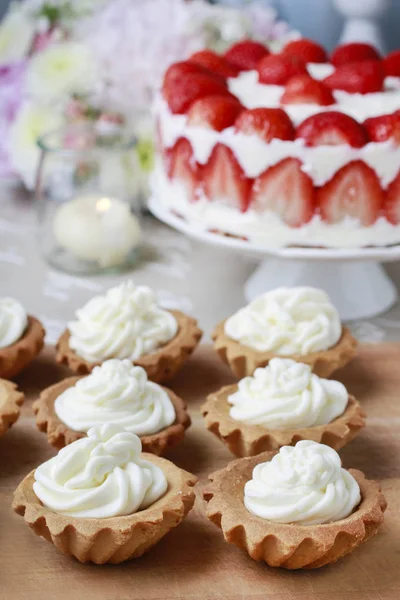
(354, 278)
(359, 290)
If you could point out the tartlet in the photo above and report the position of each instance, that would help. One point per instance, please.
(244, 360)
(16, 357)
(160, 365)
(249, 440)
(115, 539)
(60, 435)
(10, 402)
(289, 546)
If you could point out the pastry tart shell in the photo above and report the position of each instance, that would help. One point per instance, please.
(249, 440)
(243, 360)
(10, 402)
(289, 546)
(160, 365)
(112, 540)
(15, 358)
(60, 435)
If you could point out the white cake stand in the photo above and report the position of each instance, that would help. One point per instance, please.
(354, 278)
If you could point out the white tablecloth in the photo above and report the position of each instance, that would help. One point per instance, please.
(204, 281)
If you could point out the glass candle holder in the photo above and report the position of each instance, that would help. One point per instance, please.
(87, 199)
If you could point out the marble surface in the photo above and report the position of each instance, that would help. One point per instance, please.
(204, 281)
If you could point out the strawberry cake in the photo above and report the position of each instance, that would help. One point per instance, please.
(291, 149)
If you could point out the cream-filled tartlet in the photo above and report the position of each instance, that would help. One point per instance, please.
(299, 323)
(21, 338)
(127, 323)
(103, 483)
(117, 393)
(11, 400)
(309, 509)
(280, 404)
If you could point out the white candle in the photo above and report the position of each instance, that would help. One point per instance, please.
(97, 228)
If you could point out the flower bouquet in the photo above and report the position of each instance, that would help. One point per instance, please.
(73, 61)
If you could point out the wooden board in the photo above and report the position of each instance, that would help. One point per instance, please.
(194, 562)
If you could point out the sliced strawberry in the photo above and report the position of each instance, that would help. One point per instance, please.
(277, 69)
(267, 123)
(214, 112)
(181, 70)
(181, 94)
(384, 127)
(353, 52)
(287, 191)
(354, 192)
(246, 55)
(224, 179)
(302, 89)
(183, 168)
(391, 64)
(392, 202)
(215, 63)
(332, 129)
(364, 77)
(307, 50)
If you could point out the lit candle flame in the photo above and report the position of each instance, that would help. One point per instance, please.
(103, 205)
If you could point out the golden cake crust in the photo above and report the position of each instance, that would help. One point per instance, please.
(250, 440)
(112, 540)
(289, 546)
(60, 435)
(11, 400)
(14, 358)
(160, 366)
(243, 360)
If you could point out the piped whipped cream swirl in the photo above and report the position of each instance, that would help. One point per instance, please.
(119, 393)
(286, 321)
(100, 476)
(13, 321)
(287, 395)
(304, 484)
(125, 323)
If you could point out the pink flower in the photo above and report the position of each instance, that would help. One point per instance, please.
(12, 81)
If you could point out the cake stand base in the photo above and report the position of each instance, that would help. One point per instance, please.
(359, 290)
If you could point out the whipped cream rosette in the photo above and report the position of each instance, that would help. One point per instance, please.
(287, 321)
(116, 392)
(13, 321)
(304, 484)
(299, 323)
(287, 395)
(127, 323)
(100, 476)
(124, 323)
(279, 405)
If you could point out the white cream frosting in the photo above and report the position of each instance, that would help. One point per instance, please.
(287, 321)
(118, 393)
(304, 484)
(100, 476)
(266, 229)
(287, 395)
(13, 321)
(125, 323)
(254, 94)
(255, 155)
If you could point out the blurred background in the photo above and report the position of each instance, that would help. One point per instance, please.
(89, 69)
(316, 19)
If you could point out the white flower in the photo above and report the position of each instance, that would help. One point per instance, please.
(17, 31)
(61, 70)
(32, 121)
